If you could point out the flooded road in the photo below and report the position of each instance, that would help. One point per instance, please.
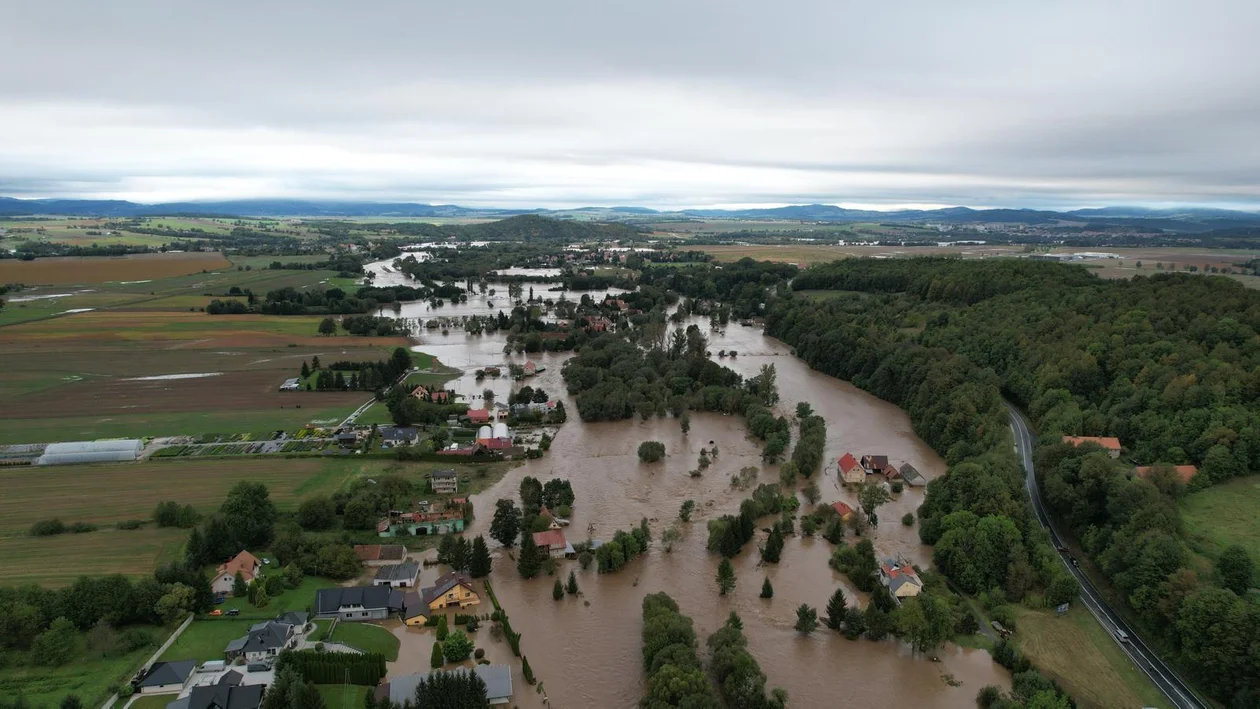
(587, 649)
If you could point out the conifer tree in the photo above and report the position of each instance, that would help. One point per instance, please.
(767, 591)
(836, 609)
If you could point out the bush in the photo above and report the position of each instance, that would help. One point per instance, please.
(81, 527)
(130, 524)
(651, 451)
(898, 486)
(48, 528)
(478, 654)
(908, 519)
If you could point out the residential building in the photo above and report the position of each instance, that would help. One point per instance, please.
(530, 368)
(164, 677)
(415, 613)
(843, 510)
(478, 415)
(497, 678)
(444, 482)
(265, 640)
(398, 435)
(402, 575)
(225, 576)
(452, 589)
(1184, 472)
(553, 543)
(379, 554)
(900, 578)
(227, 693)
(352, 603)
(912, 476)
(850, 470)
(1109, 443)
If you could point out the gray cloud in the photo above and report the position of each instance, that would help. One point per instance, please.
(660, 103)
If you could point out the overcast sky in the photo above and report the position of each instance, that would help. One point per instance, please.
(661, 103)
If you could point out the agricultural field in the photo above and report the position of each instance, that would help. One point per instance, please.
(105, 494)
(75, 270)
(262, 262)
(89, 678)
(1078, 653)
(1224, 514)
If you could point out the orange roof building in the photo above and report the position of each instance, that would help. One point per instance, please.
(1110, 443)
(1184, 472)
(842, 509)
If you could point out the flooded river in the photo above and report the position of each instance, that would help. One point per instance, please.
(586, 650)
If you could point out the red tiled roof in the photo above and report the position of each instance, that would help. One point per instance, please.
(1111, 443)
(243, 562)
(1185, 472)
(842, 509)
(848, 462)
(479, 414)
(368, 552)
(552, 538)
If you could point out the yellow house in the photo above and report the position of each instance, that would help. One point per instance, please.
(416, 616)
(452, 589)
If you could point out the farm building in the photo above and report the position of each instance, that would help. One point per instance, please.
(552, 542)
(850, 470)
(378, 554)
(291, 384)
(900, 578)
(1110, 443)
(402, 575)
(1183, 472)
(90, 452)
(419, 523)
(912, 476)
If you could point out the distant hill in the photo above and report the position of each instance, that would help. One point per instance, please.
(531, 227)
(1187, 220)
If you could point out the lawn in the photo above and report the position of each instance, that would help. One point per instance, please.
(205, 638)
(342, 696)
(301, 598)
(1082, 656)
(1223, 515)
(368, 638)
(158, 701)
(89, 679)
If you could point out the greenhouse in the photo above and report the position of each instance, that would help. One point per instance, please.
(90, 452)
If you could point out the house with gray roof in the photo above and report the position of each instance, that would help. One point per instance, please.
(402, 575)
(265, 640)
(352, 603)
(166, 677)
(912, 476)
(398, 435)
(227, 693)
(498, 679)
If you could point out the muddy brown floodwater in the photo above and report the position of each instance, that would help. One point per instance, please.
(587, 649)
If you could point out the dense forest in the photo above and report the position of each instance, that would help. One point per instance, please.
(1169, 364)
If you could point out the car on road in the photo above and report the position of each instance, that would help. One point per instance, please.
(1122, 636)
(234, 611)
(1061, 549)
(216, 612)
(1075, 562)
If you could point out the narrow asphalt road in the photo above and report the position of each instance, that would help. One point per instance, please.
(1177, 691)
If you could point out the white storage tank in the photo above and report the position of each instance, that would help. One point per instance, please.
(501, 431)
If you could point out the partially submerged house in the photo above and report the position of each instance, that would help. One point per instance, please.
(421, 523)
(900, 578)
(553, 543)
(350, 603)
(225, 576)
(912, 476)
(451, 589)
(843, 510)
(164, 677)
(402, 575)
(850, 470)
(497, 678)
(1108, 443)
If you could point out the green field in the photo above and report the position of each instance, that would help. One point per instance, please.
(88, 678)
(158, 701)
(339, 696)
(165, 424)
(368, 638)
(105, 494)
(1078, 653)
(1224, 514)
(262, 262)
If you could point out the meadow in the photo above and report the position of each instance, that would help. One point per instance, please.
(1078, 653)
(1224, 514)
